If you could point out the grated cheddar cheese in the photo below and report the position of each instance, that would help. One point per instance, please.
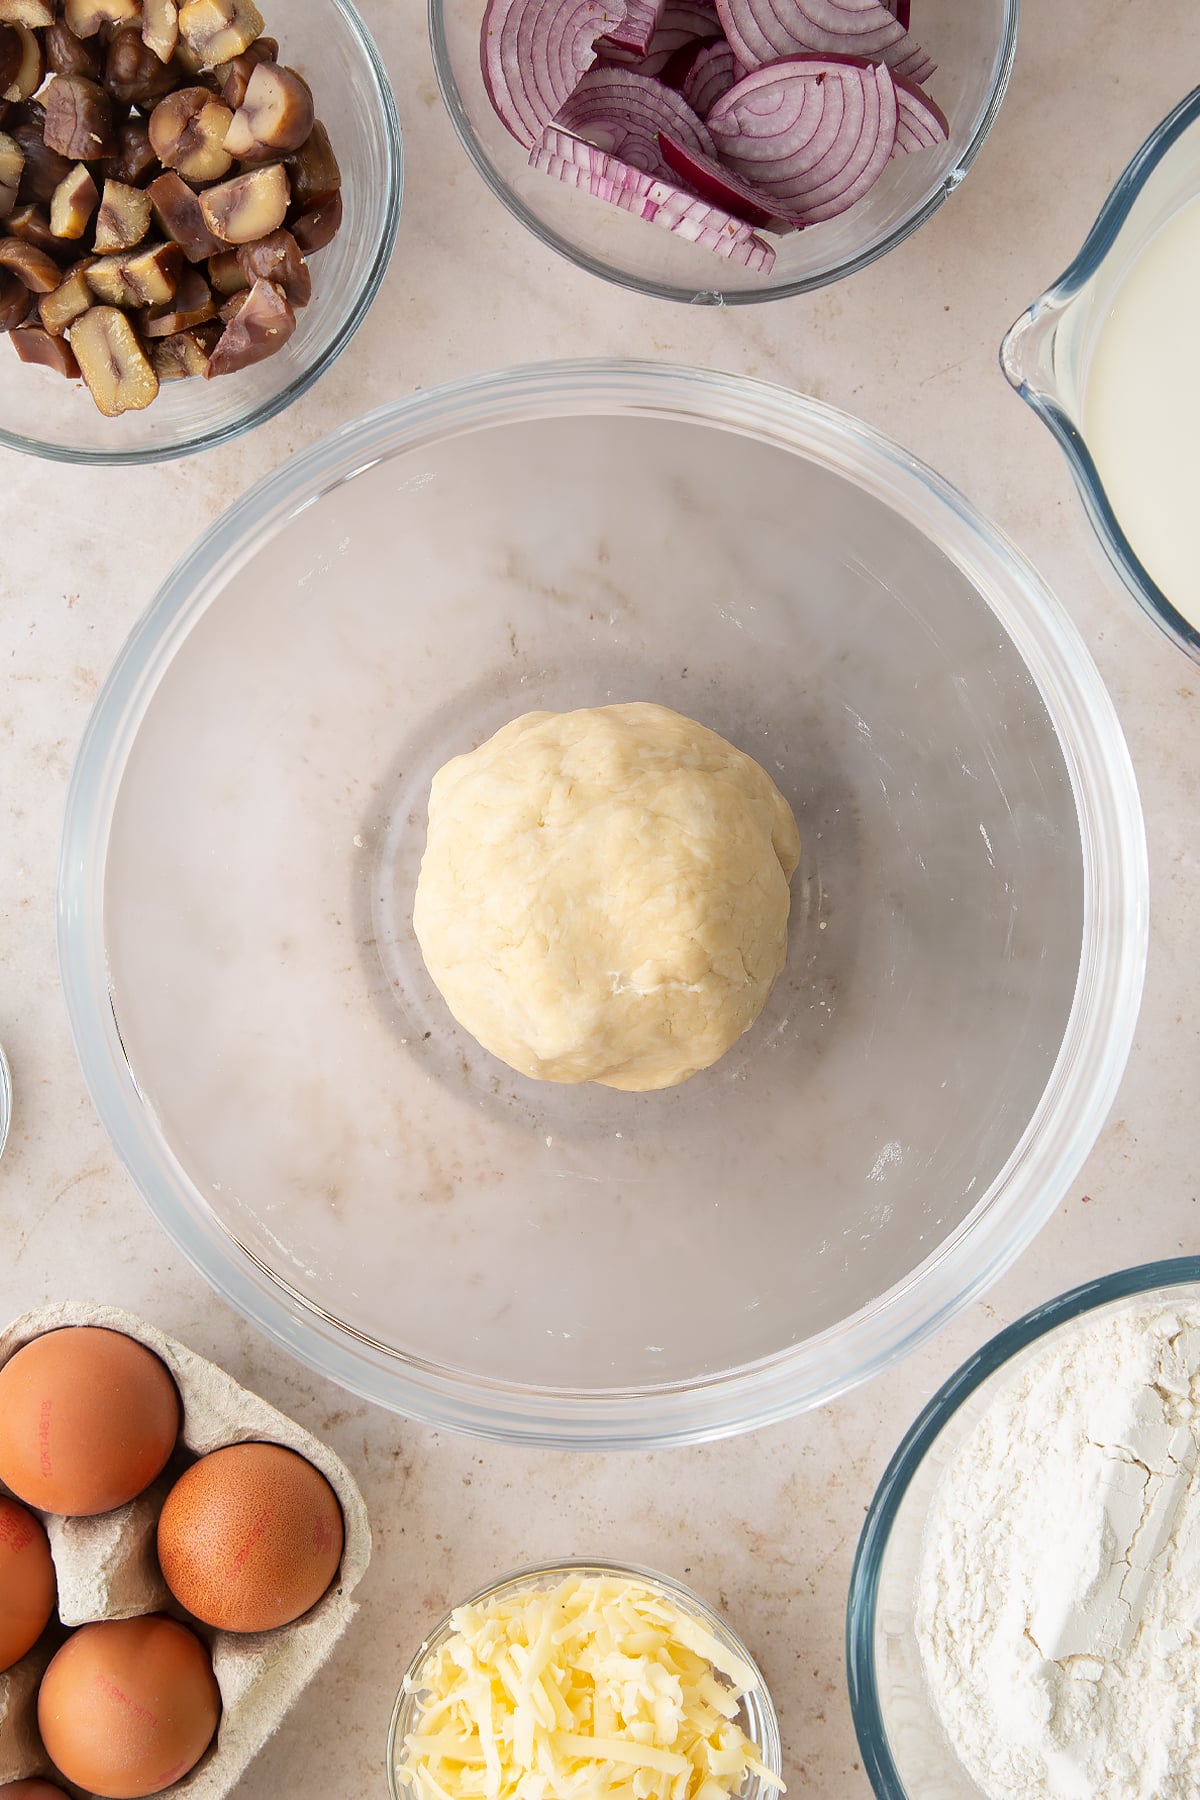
(601, 1688)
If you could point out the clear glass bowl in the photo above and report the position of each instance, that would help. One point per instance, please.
(328, 42)
(756, 1715)
(905, 1750)
(974, 46)
(573, 1265)
(1047, 354)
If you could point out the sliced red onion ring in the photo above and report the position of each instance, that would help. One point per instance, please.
(606, 177)
(762, 30)
(682, 22)
(900, 9)
(635, 32)
(921, 122)
(713, 72)
(812, 132)
(533, 54)
(622, 112)
(721, 188)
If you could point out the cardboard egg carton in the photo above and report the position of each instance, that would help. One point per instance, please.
(107, 1568)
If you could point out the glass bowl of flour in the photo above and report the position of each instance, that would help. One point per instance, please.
(1023, 1613)
(573, 1264)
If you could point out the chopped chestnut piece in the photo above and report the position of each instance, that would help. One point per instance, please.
(235, 75)
(79, 120)
(247, 206)
(137, 278)
(112, 362)
(233, 306)
(123, 219)
(33, 345)
(85, 17)
(14, 300)
(263, 325)
(31, 69)
(60, 308)
(68, 55)
(277, 257)
(186, 353)
(318, 226)
(73, 203)
(187, 130)
(32, 225)
(160, 27)
(275, 117)
(177, 210)
(12, 50)
(12, 161)
(192, 304)
(225, 273)
(216, 31)
(313, 170)
(35, 15)
(44, 168)
(133, 74)
(134, 159)
(39, 272)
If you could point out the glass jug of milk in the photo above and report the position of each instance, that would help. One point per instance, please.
(1109, 359)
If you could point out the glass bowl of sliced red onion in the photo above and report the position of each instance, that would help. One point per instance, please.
(723, 151)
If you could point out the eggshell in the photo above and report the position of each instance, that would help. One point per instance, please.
(88, 1418)
(31, 1790)
(129, 1706)
(250, 1537)
(26, 1581)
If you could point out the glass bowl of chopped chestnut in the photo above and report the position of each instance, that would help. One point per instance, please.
(195, 216)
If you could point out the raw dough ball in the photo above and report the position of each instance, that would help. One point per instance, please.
(604, 894)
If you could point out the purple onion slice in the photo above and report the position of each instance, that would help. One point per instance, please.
(900, 9)
(921, 122)
(533, 53)
(719, 187)
(622, 112)
(635, 32)
(661, 202)
(760, 31)
(713, 72)
(682, 22)
(814, 133)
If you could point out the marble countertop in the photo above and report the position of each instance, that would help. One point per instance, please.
(765, 1525)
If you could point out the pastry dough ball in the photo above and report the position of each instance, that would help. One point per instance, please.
(604, 894)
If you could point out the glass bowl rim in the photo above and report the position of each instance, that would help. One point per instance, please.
(935, 1415)
(770, 1751)
(691, 296)
(1045, 405)
(1058, 1136)
(393, 146)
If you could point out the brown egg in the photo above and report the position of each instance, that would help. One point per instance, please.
(88, 1418)
(33, 1789)
(27, 1585)
(250, 1537)
(129, 1706)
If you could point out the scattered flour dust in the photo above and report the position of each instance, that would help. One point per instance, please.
(1058, 1596)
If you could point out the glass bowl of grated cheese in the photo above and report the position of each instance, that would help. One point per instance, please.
(584, 1681)
(1021, 1618)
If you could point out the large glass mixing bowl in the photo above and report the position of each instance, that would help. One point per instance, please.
(574, 1265)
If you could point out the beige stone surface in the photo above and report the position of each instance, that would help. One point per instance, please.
(765, 1526)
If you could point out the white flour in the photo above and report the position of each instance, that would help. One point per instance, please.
(1058, 1597)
